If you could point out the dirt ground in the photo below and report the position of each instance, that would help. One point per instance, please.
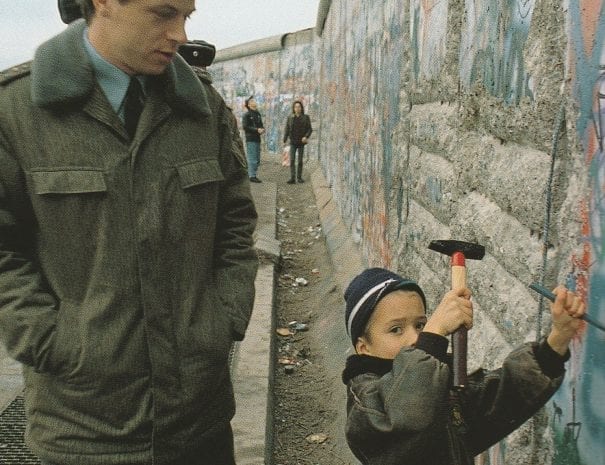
(304, 396)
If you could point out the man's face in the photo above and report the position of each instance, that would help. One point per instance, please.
(140, 36)
(252, 104)
(395, 323)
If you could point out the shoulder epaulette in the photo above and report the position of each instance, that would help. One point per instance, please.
(11, 74)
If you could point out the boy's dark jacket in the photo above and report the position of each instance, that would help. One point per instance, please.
(404, 412)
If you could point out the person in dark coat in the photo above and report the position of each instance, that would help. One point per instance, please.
(298, 130)
(127, 262)
(401, 405)
(252, 123)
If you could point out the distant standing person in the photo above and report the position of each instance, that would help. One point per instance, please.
(253, 127)
(298, 129)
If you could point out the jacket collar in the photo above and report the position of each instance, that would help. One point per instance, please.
(360, 364)
(62, 74)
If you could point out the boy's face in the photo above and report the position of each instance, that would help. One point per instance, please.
(395, 323)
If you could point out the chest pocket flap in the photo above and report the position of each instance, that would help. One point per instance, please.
(195, 173)
(69, 181)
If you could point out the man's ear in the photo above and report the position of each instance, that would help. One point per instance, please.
(101, 7)
(362, 346)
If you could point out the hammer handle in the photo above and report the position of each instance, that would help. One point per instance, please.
(459, 337)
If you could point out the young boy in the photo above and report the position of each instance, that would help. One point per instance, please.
(401, 408)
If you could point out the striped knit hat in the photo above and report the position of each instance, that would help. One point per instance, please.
(365, 291)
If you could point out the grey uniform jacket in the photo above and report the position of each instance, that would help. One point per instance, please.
(126, 268)
(403, 412)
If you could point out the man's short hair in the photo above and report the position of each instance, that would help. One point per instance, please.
(69, 10)
(88, 9)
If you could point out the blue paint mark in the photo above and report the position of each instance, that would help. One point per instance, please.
(392, 61)
(414, 45)
(433, 186)
(587, 67)
(499, 63)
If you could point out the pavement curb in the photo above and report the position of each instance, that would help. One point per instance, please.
(265, 200)
(253, 366)
(253, 378)
(11, 380)
(344, 252)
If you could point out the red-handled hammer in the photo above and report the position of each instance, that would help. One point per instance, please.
(459, 251)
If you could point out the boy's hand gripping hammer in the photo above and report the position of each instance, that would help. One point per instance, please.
(459, 251)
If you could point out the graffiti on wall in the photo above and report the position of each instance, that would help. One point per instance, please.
(275, 79)
(493, 39)
(361, 80)
(361, 87)
(251, 76)
(428, 27)
(578, 411)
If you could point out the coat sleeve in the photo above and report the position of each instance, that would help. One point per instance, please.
(27, 307)
(287, 129)
(236, 261)
(499, 401)
(309, 127)
(399, 410)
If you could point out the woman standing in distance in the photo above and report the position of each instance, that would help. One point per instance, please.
(298, 130)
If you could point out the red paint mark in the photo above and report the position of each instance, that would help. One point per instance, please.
(589, 17)
(375, 227)
(592, 144)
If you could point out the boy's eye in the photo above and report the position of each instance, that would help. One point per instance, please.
(396, 330)
(420, 325)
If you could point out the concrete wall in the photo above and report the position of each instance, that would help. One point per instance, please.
(276, 71)
(579, 413)
(472, 120)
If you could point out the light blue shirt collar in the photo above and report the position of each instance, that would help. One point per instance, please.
(113, 81)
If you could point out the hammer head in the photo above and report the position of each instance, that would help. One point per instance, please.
(468, 249)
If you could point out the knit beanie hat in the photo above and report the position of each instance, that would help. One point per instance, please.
(365, 291)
